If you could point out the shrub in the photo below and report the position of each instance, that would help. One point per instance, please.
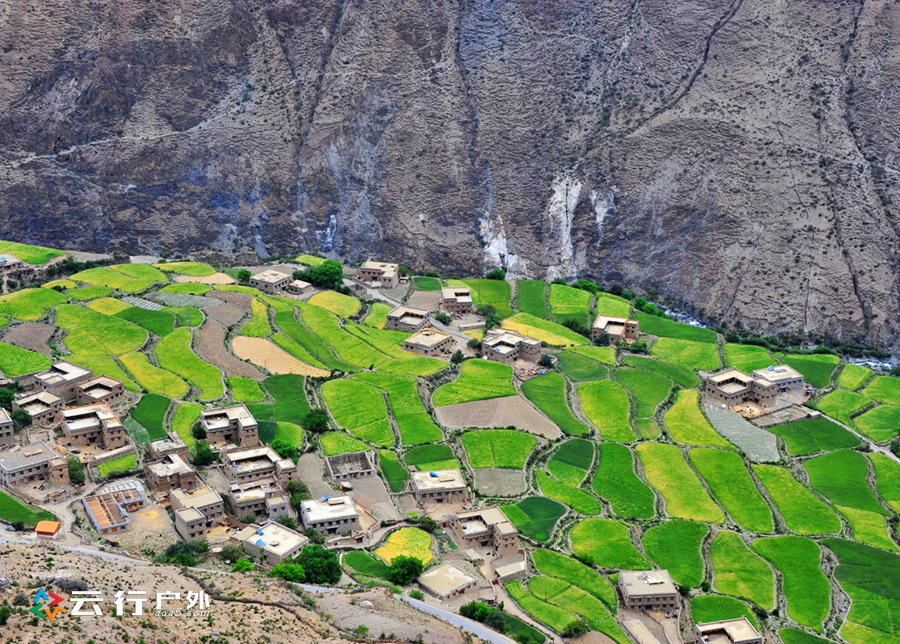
(20, 418)
(288, 521)
(314, 537)
(474, 343)
(203, 454)
(289, 572)
(457, 357)
(417, 594)
(248, 518)
(284, 448)
(586, 285)
(496, 274)
(490, 315)
(183, 553)
(578, 327)
(405, 570)
(76, 470)
(577, 628)
(232, 552)
(428, 524)
(443, 318)
(545, 361)
(316, 421)
(242, 565)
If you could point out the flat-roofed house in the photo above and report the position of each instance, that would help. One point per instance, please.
(648, 589)
(728, 631)
(263, 498)
(441, 486)
(274, 541)
(6, 428)
(62, 379)
(486, 528)
(447, 581)
(298, 287)
(101, 389)
(618, 329)
(457, 299)
(35, 462)
(501, 345)
(270, 281)
(195, 511)
(353, 465)
(44, 408)
(171, 444)
(379, 274)
(169, 473)
(734, 387)
(429, 342)
(9, 262)
(256, 463)
(108, 508)
(784, 377)
(230, 424)
(404, 318)
(93, 425)
(330, 515)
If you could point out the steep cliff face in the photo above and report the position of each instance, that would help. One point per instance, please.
(738, 156)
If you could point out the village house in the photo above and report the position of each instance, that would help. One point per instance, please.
(93, 425)
(734, 387)
(298, 287)
(486, 528)
(270, 281)
(101, 389)
(108, 508)
(330, 515)
(9, 263)
(648, 589)
(61, 379)
(728, 631)
(354, 465)
(379, 274)
(404, 318)
(171, 444)
(35, 462)
(256, 463)
(195, 511)
(274, 541)
(233, 424)
(429, 342)
(447, 581)
(441, 486)
(43, 407)
(501, 345)
(457, 299)
(618, 329)
(6, 428)
(171, 472)
(263, 498)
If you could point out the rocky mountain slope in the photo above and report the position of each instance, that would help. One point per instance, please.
(738, 156)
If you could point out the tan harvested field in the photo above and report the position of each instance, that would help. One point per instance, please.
(498, 412)
(211, 347)
(31, 335)
(241, 300)
(271, 357)
(215, 278)
(225, 313)
(428, 300)
(500, 482)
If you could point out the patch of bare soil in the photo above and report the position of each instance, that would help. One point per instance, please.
(225, 313)
(211, 347)
(215, 278)
(428, 300)
(31, 335)
(310, 470)
(271, 357)
(498, 412)
(372, 495)
(150, 528)
(388, 616)
(241, 300)
(500, 482)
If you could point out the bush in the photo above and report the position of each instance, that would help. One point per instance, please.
(288, 521)
(545, 361)
(76, 470)
(576, 629)
(313, 536)
(183, 553)
(232, 552)
(242, 565)
(496, 274)
(428, 524)
(405, 570)
(289, 572)
(586, 285)
(578, 327)
(284, 448)
(474, 343)
(478, 611)
(243, 275)
(602, 340)
(443, 318)
(316, 421)
(197, 431)
(320, 565)
(490, 315)
(248, 518)
(203, 454)
(5, 612)
(457, 357)
(431, 274)
(417, 594)
(20, 419)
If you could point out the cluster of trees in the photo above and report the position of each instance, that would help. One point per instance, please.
(496, 274)
(76, 470)
(314, 564)
(490, 315)
(316, 421)
(405, 570)
(284, 448)
(329, 274)
(202, 454)
(184, 553)
(492, 617)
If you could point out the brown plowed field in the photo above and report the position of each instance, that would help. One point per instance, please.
(211, 347)
(31, 335)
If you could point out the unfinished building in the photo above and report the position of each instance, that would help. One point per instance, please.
(457, 299)
(171, 472)
(330, 515)
(43, 407)
(441, 486)
(101, 389)
(429, 342)
(270, 281)
(501, 345)
(195, 511)
(648, 589)
(109, 507)
(728, 631)
(353, 465)
(409, 320)
(23, 464)
(93, 425)
(618, 329)
(486, 528)
(256, 463)
(379, 274)
(272, 540)
(263, 498)
(233, 424)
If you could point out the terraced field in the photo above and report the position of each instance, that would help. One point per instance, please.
(687, 424)
(690, 353)
(497, 293)
(577, 367)
(747, 357)
(733, 487)
(675, 546)
(668, 472)
(615, 480)
(813, 435)
(504, 448)
(841, 404)
(853, 376)
(740, 572)
(175, 354)
(803, 513)
(553, 564)
(569, 304)
(880, 424)
(535, 516)
(579, 500)
(478, 380)
(359, 408)
(841, 477)
(606, 405)
(431, 457)
(572, 461)
(606, 544)
(548, 392)
(544, 330)
(413, 421)
(670, 329)
(806, 588)
(682, 375)
(816, 369)
(531, 298)
(648, 388)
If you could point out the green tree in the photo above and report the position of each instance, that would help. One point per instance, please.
(577, 628)
(405, 570)
(197, 431)
(316, 421)
(586, 285)
(20, 419)
(496, 274)
(76, 470)
(5, 612)
(329, 274)
(457, 357)
(320, 565)
(232, 552)
(248, 518)
(428, 524)
(6, 398)
(313, 536)
(242, 565)
(287, 521)
(490, 315)
(546, 361)
(284, 448)
(203, 454)
(443, 318)
(243, 275)
(289, 572)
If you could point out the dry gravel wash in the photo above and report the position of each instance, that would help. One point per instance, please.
(498, 412)
(31, 335)
(271, 357)
(211, 347)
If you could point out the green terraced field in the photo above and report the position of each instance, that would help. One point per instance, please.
(548, 392)
(150, 412)
(152, 378)
(334, 443)
(188, 288)
(713, 608)
(141, 271)
(245, 389)
(88, 293)
(258, 326)
(175, 354)
(158, 322)
(613, 305)
(338, 303)
(606, 405)
(605, 355)
(108, 306)
(816, 369)
(93, 333)
(185, 416)
(572, 461)
(413, 421)
(431, 457)
(377, 316)
(478, 380)
(692, 354)
(668, 472)
(359, 408)
(606, 544)
(578, 367)
(553, 564)
(535, 516)
(617, 482)
(732, 486)
(868, 527)
(16, 361)
(813, 435)
(531, 294)
(544, 330)
(30, 303)
(505, 448)
(554, 617)
(740, 572)
(30, 254)
(803, 513)
(392, 470)
(841, 477)
(747, 357)
(670, 329)
(679, 373)
(675, 546)
(794, 636)
(578, 500)
(567, 303)
(309, 260)
(120, 464)
(687, 424)
(194, 269)
(12, 510)
(427, 283)
(880, 424)
(290, 432)
(567, 596)
(497, 293)
(317, 352)
(113, 279)
(840, 405)
(853, 376)
(649, 389)
(806, 588)
(887, 474)
(362, 562)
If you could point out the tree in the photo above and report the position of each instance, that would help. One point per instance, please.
(316, 421)
(244, 275)
(289, 572)
(197, 431)
(457, 357)
(203, 454)
(578, 327)
(76, 470)
(495, 620)
(417, 594)
(320, 565)
(545, 361)
(6, 398)
(577, 628)
(329, 274)
(474, 343)
(895, 370)
(602, 340)
(443, 318)
(183, 552)
(287, 521)
(232, 552)
(428, 524)
(586, 285)
(248, 518)
(284, 448)
(478, 611)
(405, 570)
(20, 418)
(313, 536)
(496, 274)
(404, 271)
(5, 612)
(489, 313)
(242, 565)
